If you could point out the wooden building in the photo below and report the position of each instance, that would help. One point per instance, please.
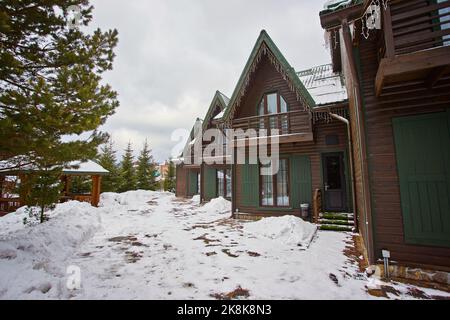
(398, 79)
(308, 108)
(12, 174)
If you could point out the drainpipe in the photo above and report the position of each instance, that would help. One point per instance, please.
(346, 34)
(352, 173)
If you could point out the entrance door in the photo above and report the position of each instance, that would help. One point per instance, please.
(422, 145)
(333, 181)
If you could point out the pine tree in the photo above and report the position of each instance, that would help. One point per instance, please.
(107, 159)
(41, 189)
(170, 181)
(146, 169)
(127, 171)
(50, 81)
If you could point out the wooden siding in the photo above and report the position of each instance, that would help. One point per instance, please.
(314, 151)
(397, 100)
(181, 175)
(266, 80)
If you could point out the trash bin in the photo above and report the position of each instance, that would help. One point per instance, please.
(304, 210)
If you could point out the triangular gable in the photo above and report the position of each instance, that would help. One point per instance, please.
(265, 46)
(220, 100)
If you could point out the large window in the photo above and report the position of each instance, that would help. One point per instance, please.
(273, 103)
(275, 189)
(224, 183)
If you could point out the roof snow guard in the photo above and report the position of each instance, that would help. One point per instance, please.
(264, 46)
(325, 86)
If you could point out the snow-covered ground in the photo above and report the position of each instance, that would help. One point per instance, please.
(150, 245)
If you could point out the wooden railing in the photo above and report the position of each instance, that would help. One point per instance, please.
(9, 204)
(317, 205)
(413, 26)
(286, 122)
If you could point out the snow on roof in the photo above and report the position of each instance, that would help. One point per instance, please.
(334, 5)
(84, 167)
(324, 85)
(220, 114)
(18, 163)
(225, 98)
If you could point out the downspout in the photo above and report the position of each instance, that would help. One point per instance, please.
(346, 34)
(352, 172)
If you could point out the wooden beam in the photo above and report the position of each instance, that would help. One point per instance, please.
(435, 75)
(388, 33)
(392, 70)
(95, 194)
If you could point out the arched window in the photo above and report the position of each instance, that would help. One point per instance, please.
(273, 103)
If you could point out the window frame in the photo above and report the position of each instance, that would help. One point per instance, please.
(224, 182)
(275, 187)
(279, 122)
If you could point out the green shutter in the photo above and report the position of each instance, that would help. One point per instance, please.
(423, 162)
(250, 185)
(301, 186)
(193, 182)
(210, 183)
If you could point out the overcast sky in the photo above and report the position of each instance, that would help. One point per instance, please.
(174, 54)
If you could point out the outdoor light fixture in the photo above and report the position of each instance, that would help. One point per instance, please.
(386, 255)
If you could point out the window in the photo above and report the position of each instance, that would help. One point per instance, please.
(275, 189)
(224, 183)
(445, 22)
(273, 103)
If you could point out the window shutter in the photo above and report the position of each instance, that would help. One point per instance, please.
(250, 185)
(301, 186)
(210, 183)
(193, 183)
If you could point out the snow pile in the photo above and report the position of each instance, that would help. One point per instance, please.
(289, 230)
(32, 259)
(218, 205)
(137, 197)
(196, 199)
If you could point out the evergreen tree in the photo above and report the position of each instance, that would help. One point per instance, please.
(127, 171)
(146, 170)
(170, 181)
(50, 81)
(107, 159)
(41, 189)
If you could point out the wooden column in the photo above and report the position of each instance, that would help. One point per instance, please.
(95, 194)
(388, 33)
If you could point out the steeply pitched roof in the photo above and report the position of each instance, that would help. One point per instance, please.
(220, 100)
(265, 45)
(324, 85)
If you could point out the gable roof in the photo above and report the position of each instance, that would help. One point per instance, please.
(325, 86)
(220, 100)
(265, 46)
(14, 166)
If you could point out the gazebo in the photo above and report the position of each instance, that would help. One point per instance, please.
(9, 201)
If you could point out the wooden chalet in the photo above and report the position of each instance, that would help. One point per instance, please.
(309, 109)
(208, 181)
(398, 80)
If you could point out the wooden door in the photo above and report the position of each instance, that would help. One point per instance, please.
(333, 181)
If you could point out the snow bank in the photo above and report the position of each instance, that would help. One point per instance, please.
(196, 199)
(126, 198)
(32, 259)
(217, 205)
(289, 230)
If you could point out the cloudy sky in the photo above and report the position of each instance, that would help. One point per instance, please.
(174, 54)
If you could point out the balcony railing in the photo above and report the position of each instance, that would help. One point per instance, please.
(286, 122)
(410, 27)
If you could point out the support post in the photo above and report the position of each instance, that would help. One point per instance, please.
(95, 194)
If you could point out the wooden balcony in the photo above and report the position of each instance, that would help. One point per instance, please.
(293, 126)
(415, 43)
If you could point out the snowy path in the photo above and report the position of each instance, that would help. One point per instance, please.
(150, 245)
